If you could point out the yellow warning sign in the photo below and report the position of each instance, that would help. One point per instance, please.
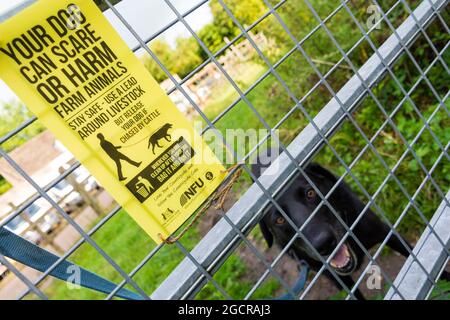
(71, 68)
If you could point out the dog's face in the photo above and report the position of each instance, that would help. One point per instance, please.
(323, 230)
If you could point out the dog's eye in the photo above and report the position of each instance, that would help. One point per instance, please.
(311, 194)
(280, 221)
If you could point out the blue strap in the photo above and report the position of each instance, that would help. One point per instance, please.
(27, 253)
(299, 285)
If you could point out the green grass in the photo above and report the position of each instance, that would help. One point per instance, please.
(127, 244)
(441, 292)
(123, 240)
(225, 95)
(272, 102)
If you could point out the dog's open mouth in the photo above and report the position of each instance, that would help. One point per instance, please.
(344, 260)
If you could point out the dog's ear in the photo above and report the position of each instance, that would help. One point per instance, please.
(319, 171)
(266, 233)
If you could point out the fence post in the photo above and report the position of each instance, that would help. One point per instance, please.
(84, 194)
(233, 49)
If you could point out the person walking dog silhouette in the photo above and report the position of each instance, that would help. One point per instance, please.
(113, 152)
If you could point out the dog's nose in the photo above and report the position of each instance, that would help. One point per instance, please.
(324, 242)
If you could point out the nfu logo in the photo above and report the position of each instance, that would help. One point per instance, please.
(191, 192)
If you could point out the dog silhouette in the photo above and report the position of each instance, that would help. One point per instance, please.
(162, 133)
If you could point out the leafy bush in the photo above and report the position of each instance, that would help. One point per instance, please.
(272, 102)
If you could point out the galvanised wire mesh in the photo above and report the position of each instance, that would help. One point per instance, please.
(360, 87)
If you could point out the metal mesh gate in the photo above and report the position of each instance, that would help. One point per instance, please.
(351, 79)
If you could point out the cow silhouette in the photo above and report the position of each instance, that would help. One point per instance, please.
(162, 133)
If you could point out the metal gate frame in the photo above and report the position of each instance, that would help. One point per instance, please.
(186, 280)
(199, 265)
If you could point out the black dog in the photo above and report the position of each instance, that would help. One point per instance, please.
(324, 230)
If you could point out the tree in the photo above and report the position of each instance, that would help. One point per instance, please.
(188, 54)
(11, 116)
(212, 37)
(181, 60)
(164, 53)
(245, 12)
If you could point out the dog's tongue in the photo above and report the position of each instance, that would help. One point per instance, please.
(341, 257)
